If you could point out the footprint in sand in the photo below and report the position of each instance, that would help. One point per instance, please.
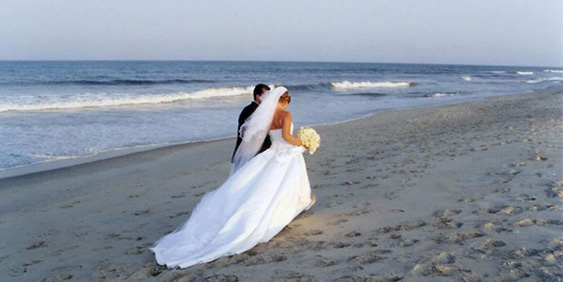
(34, 262)
(444, 258)
(288, 275)
(447, 223)
(391, 195)
(388, 229)
(386, 278)
(70, 205)
(333, 203)
(395, 236)
(180, 214)
(369, 257)
(540, 207)
(220, 278)
(550, 222)
(467, 200)
(525, 222)
(337, 221)
(353, 234)
(339, 245)
(319, 186)
(313, 232)
(407, 242)
(553, 259)
(397, 210)
(555, 192)
(414, 225)
(511, 264)
(442, 270)
(113, 236)
(446, 213)
(496, 227)
(135, 251)
(146, 272)
(508, 210)
(458, 238)
(38, 245)
(58, 278)
(142, 212)
(358, 212)
(231, 260)
(525, 253)
(512, 275)
(325, 262)
(488, 244)
(263, 259)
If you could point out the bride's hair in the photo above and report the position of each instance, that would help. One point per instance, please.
(285, 98)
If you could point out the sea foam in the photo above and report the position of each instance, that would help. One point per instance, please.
(369, 84)
(438, 94)
(525, 72)
(112, 100)
(539, 80)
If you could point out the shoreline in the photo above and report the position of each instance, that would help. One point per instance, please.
(56, 164)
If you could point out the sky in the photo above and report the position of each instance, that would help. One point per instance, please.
(476, 32)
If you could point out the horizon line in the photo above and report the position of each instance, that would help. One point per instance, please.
(267, 61)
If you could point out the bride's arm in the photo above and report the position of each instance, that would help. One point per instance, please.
(286, 131)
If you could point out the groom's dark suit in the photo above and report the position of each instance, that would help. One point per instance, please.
(247, 112)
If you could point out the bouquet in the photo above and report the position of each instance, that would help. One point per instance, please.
(310, 138)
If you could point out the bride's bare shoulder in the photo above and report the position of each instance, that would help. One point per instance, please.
(281, 114)
(284, 113)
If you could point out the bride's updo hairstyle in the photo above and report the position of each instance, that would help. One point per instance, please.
(285, 98)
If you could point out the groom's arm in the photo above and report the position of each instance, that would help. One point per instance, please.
(245, 114)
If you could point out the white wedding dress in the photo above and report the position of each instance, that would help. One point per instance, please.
(251, 207)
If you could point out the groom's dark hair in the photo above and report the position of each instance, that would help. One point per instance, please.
(260, 89)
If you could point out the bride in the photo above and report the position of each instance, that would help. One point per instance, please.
(263, 194)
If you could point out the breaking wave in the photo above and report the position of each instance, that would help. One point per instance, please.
(369, 84)
(539, 80)
(439, 94)
(525, 72)
(113, 100)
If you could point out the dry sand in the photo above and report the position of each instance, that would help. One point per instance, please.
(469, 192)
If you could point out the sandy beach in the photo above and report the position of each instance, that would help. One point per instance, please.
(468, 192)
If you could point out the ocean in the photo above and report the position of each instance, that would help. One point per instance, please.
(56, 110)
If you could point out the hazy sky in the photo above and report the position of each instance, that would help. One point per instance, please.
(499, 32)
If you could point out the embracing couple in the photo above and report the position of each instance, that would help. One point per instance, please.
(267, 188)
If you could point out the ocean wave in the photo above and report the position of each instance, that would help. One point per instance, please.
(556, 71)
(525, 72)
(439, 94)
(115, 100)
(127, 82)
(308, 86)
(539, 80)
(497, 72)
(369, 84)
(369, 94)
(466, 78)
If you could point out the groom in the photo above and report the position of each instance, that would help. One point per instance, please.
(247, 111)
